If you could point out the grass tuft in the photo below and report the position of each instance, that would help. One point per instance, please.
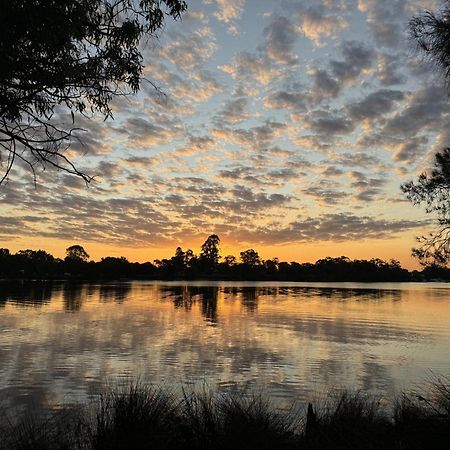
(142, 417)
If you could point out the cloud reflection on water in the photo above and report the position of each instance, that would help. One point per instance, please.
(293, 340)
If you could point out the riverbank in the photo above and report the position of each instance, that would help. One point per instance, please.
(32, 264)
(141, 417)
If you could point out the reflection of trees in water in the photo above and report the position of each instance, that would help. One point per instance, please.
(336, 293)
(208, 296)
(36, 294)
(248, 295)
(180, 295)
(26, 293)
(250, 298)
(116, 293)
(73, 294)
(185, 296)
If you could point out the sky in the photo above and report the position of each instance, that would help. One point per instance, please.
(286, 126)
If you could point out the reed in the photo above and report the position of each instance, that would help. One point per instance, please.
(144, 417)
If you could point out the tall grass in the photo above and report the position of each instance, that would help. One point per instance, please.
(142, 417)
(135, 417)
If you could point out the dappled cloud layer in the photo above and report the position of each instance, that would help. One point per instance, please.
(276, 122)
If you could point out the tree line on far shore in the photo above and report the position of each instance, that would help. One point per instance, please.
(208, 264)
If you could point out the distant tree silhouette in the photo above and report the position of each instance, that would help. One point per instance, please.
(433, 190)
(67, 56)
(32, 264)
(37, 256)
(110, 266)
(271, 264)
(209, 296)
(250, 258)
(189, 257)
(210, 250)
(177, 264)
(76, 253)
(179, 259)
(230, 260)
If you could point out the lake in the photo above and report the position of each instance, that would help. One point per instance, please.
(65, 342)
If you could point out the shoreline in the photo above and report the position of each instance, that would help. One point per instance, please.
(216, 280)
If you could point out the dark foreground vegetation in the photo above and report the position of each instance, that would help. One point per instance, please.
(140, 417)
(208, 264)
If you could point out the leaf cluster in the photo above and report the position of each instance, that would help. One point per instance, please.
(68, 55)
(431, 32)
(433, 189)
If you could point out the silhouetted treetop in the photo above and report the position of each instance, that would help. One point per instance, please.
(76, 253)
(210, 250)
(229, 260)
(250, 257)
(185, 265)
(70, 56)
(36, 256)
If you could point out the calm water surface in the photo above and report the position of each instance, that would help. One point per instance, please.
(65, 342)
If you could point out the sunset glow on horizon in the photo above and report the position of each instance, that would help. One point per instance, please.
(284, 126)
(386, 249)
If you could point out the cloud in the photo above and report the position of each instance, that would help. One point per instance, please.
(247, 132)
(247, 67)
(280, 36)
(356, 159)
(93, 135)
(235, 110)
(316, 23)
(365, 189)
(254, 137)
(409, 151)
(332, 171)
(386, 19)
(426, 109)
(375, 105)
(293, 100)
(247, 201)
(326, 194)
(142, 133)
(188, 51)
(229, 10)
(71, 216)
(326, 123)
(195, 145)
(208, 81)
(324, 85)
(259, 178)
(337, 227)
(357, 58)
(388, 70)
(328, 82)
